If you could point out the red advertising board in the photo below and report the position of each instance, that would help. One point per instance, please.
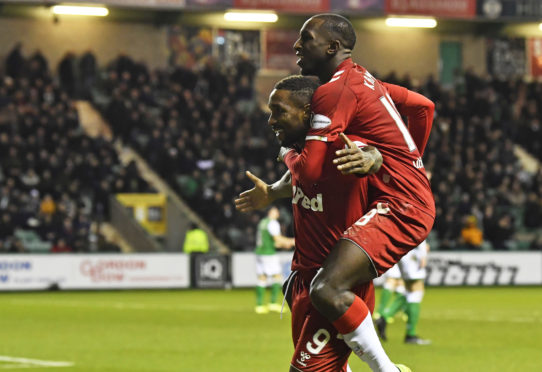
(437, 8)
(279, 46)
(535, 56)
(293, 6)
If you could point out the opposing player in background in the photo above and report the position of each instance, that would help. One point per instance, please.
(402, 208)
(410, 273)
(393, 292)
(269, 238)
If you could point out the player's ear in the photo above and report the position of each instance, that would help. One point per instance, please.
(307, 112)
(334, 47)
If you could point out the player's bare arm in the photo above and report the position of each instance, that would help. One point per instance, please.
(263, 194)
(354, 160)
(283, 242)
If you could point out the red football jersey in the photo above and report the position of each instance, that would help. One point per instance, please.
(356, 103)
(324, 208)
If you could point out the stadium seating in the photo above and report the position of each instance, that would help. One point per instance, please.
(55, 180)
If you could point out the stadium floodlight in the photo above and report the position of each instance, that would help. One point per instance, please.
(96, 11)
(411, 22)
(234, 16)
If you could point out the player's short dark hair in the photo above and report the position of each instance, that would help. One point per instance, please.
(302, 87)
(339, 27)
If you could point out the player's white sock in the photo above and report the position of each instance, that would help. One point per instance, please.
(365, 343)
(359, 333)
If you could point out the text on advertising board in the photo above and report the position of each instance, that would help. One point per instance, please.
(110, 270)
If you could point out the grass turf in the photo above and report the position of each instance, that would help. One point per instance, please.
(472, 329)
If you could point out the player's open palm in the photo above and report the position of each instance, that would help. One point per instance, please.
(255, 198)
(356, 160)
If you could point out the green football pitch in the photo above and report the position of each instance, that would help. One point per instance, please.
(472, 329)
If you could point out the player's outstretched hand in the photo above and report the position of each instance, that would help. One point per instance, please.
(255, 198)
(355, 160)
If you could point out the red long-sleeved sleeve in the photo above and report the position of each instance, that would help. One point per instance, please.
(307, 168)
(419, 111)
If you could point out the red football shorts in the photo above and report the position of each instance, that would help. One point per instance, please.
(317, 347)
(389, 231)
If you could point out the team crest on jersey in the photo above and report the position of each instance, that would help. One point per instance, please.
(319, 121)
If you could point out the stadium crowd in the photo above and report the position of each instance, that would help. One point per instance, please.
(55, 180)
(201, 129)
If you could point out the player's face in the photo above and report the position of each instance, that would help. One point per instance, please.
(311, 47)
(289, 118)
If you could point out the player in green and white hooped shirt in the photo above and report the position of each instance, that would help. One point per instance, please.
(269, 239)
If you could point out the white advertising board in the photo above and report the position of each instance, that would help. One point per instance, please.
(443, 269)
(484, 268)
(94, 271)
(243, 268)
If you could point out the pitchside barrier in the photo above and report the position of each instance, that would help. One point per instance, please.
(177, 270)
(94, 271)
(443, 268)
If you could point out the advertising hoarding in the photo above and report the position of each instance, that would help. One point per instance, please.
(437, 8)
(94, 271)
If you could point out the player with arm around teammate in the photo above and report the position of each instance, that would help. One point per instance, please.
(402, 209)
(323, 210)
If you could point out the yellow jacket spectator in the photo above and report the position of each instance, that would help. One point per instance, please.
(48, 205)
(196, 241)
(471, 235)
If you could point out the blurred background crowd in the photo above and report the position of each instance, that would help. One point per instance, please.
(55, 180)
(201, 128)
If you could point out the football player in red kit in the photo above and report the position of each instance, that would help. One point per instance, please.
(321, 215)
(401, 210)
(323, 209)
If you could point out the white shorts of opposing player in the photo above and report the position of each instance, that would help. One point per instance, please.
(409, 267)
(268, 265)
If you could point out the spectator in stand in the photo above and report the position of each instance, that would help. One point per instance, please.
(38, 66)
(48, 206)
(15, 62)
(66, 73)
(61, 247)
(471, 235)
(533, 211)
(87, 73)
(196, 240)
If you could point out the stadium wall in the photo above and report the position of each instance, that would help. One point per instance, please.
(380, 49)
(141, 41)
(414, 52)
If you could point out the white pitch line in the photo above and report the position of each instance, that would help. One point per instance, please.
(31, 363)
